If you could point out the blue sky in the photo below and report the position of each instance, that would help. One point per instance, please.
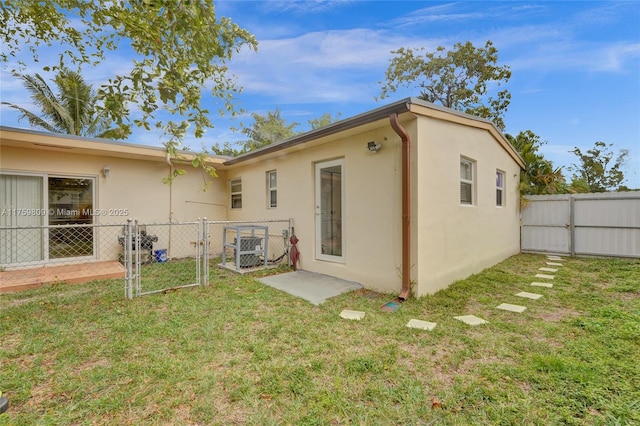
(575, 65)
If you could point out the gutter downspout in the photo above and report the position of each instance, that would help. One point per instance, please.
(406, 207)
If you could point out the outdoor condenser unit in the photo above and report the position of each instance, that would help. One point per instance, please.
(250, 245)
(246, 250)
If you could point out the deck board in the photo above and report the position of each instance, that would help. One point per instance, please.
(26, 279)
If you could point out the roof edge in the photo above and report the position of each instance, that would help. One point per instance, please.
(339, 126)
(401, 106)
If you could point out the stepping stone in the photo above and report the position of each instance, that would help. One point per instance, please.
(554, 264)
(352, 315)
(471, 320)
(511, 308)
(422, 325)
(532, 296)
(548, 269)
(547, 285)
(554, 258)
(545, 276)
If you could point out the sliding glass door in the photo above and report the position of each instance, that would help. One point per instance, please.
(29, 202)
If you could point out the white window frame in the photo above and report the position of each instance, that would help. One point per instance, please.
(232, 182)
(471, 182)
(272, 189)
(500, 185)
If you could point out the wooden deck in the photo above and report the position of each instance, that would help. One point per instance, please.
(26, 279)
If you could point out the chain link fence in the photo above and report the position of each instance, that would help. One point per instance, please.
(244, 246)
(149, 257)
(34, 255)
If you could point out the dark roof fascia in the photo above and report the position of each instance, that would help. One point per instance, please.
(339, 126)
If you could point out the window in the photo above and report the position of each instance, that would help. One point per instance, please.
(272, 189)
(235, 186)
(499, 188)
(466, 181)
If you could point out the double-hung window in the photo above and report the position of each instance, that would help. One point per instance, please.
(235, 189)
(467, 181)
(272, 189)
(500, 201)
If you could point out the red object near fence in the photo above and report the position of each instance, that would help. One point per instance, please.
(294, 254)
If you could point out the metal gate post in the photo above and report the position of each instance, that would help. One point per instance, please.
(137, 260)
(128, 277)
(198, 253)
(205, 251)
(572, 226)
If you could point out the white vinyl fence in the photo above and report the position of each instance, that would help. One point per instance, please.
(604, 224)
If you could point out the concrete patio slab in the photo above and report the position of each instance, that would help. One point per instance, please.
(310, 286)
(545, 276)
(511, 308)
(422, 325)
(548, 269)
(471, 320)
(532, 296)
(554, 264)
(352, 315)
(547, 285)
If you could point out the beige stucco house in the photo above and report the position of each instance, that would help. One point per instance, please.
(405, 198)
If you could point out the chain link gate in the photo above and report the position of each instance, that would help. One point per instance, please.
(159, 257)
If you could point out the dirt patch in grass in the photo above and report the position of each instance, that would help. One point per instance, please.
(552, 315)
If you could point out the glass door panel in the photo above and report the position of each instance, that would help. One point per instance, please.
(329, 210)
(70, 203)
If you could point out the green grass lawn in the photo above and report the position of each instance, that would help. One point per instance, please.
(238, 352)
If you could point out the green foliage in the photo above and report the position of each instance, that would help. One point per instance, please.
(599, 170)
(456, 79)
(73, 110)
(324, 120)
(179, 46)
(266, 130)
(539, 175)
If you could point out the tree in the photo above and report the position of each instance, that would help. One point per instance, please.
(71, 111)
(179, 46)
(324, 120)
(268, 129)
(455, 79)
(539, 175)
(599, 170)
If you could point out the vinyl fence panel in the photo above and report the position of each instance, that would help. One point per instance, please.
(606, 224)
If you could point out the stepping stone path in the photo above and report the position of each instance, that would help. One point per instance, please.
(547, 285)
(352, 315)
(532, 296)
(422, 325)
(511, 308)
(545, 276)
(473, 320)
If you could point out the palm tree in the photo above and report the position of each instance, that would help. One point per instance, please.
(72, 111)
(539, 175)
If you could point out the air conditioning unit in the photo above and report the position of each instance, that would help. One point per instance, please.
(248, 244)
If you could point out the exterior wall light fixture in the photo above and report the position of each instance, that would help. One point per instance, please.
(105, 170)
(374, 147)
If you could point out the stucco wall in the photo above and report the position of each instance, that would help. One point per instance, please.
(454, 240)
(134, 186)
(372, 235)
